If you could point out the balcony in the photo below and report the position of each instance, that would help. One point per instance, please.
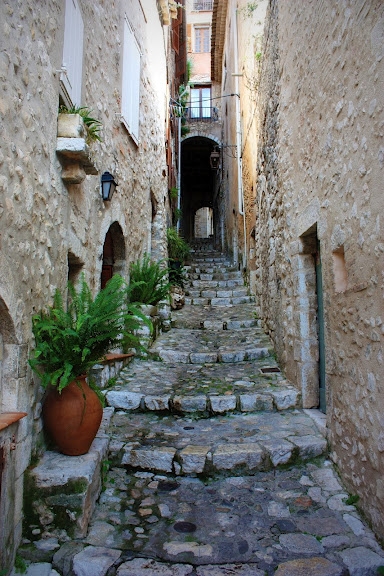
(201, 114)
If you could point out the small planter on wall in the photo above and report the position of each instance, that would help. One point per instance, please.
(73, 150)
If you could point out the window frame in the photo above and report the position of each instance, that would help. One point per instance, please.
(198, 103)
(73, 48)
(200, 43)
(130, 87)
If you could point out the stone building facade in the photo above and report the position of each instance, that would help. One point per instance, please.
(313, 155)
(54, 224)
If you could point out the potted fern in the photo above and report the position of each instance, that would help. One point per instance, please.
(69, 341)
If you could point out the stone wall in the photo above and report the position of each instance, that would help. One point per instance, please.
(319, 198)
(44, 223)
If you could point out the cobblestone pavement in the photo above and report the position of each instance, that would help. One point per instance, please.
(212, 467)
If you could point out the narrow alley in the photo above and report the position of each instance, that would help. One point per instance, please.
(211, 468)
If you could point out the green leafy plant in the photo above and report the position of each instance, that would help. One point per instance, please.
(20, 565)
(178, 248)
(352, 499)
(70, 341)
(148, 282)
(177, 215)
(174, 192)
(93, 126)
(380, 571)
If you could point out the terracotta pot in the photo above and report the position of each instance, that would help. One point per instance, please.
(73, 417)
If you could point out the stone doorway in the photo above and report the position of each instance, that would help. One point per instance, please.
(113, 254)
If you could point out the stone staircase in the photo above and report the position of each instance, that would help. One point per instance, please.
(209, 465)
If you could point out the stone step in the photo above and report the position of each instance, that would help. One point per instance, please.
(210, 269)
(222, 302)
(217, 318)
(206, 284)
(211, 293)
(219, 276)
(213, 389)
(239, 444)
(209, 346)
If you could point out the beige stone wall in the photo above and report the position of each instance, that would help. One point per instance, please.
(320, 175)
(41, 219)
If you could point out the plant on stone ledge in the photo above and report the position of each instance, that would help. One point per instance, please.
(93, 126)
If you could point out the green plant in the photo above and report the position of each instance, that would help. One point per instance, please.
(174, 192)
(148, 282)
(69, 341)
(178, 248)
(93, 125)
(20, 565)
(352, 499)
(177, 215)
(380, 571)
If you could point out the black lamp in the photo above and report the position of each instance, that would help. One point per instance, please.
(214, 159)
(108, 186)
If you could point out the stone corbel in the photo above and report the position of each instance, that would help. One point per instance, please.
(72, 149)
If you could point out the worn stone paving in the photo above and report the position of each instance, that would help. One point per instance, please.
(212, 467)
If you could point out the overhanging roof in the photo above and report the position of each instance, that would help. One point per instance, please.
(219, 15)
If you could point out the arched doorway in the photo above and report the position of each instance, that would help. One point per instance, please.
(113, 254)
(199, 184)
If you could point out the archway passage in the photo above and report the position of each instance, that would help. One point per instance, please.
(113, 254)
(198, 182)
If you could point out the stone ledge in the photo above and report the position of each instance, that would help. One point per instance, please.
(66, 488)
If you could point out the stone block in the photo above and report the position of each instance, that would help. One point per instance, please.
(123, 399)
(285, 399)
(315, 566)
(222, 404)
(159, 459)
(228, 456)
(361, 561)
(309, 446)
(193, 459)
(190, 403)
(220, 302)
(171, 356)
(256, 353)
(279, 451)
(94, 561)
(67, 489)
(203, 357)
(232, 356)
(256, 402)
(157, 402)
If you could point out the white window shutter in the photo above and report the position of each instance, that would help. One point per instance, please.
(73, 51)
(130, 101)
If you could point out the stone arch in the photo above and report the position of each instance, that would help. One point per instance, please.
(199, 182)
(114, 253)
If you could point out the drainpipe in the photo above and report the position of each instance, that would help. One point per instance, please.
(240, 190)
(180, 108)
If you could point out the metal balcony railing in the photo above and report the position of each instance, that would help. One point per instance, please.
(203, 4)
(194, 114)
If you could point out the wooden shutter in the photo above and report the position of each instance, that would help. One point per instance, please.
(130, 101)
(73, 51)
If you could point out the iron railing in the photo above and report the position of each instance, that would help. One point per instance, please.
(203, 4)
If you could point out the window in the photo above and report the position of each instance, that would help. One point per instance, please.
(200, 105)
(202, 39)
(130, 101)
(202, 4)
(72, 53)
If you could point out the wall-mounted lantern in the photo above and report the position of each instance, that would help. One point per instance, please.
(108, 186)
(214, 158)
